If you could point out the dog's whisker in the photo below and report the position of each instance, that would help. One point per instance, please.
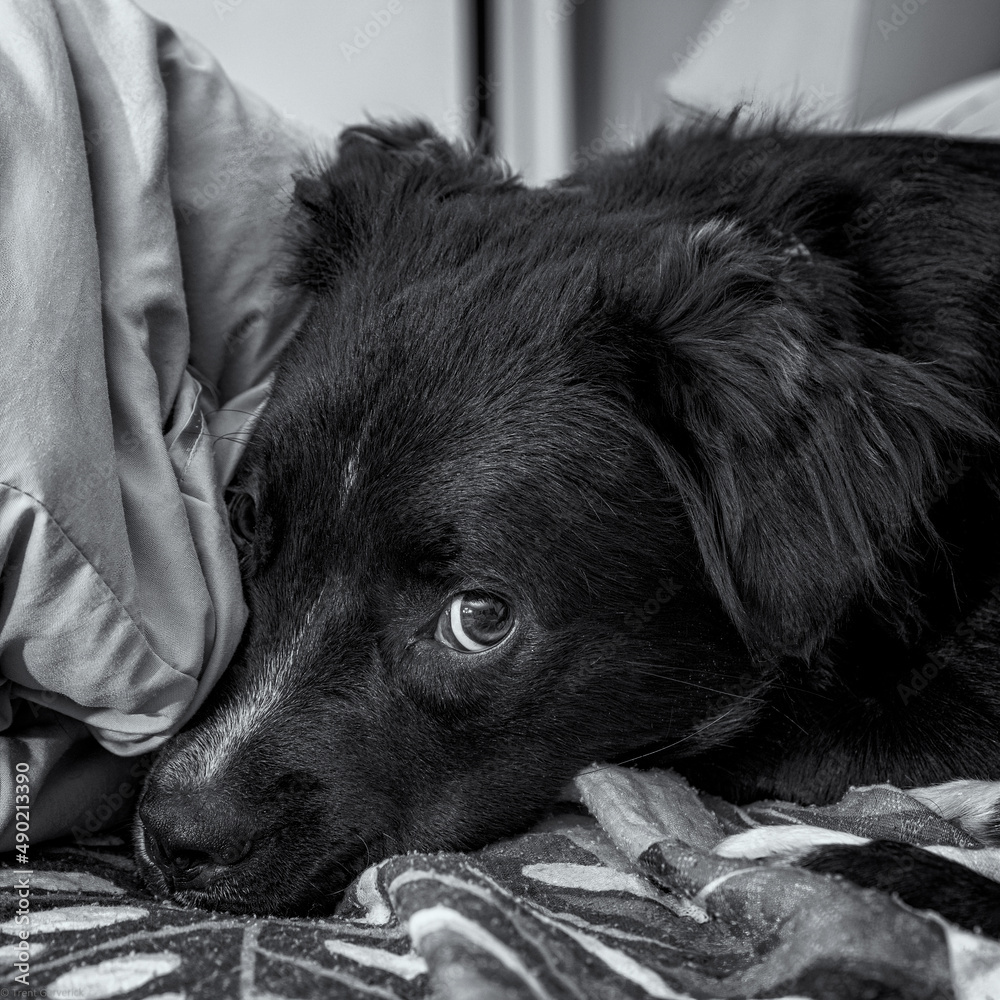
(368, 853)
(674, 677)
(668, 746)
(798, 725)
(238, 437)
(235, 409)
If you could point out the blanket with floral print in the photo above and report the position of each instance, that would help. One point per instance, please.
(618, 894)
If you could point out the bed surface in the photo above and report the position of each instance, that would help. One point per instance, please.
(617, 894)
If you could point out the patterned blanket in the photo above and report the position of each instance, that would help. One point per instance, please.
(618, 894)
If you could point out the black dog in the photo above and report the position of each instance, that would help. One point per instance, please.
(691, 456)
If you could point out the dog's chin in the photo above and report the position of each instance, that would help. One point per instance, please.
(235, 896)
(253, 888)
(242, 903)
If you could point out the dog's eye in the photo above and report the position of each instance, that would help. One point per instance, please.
(242, 517)
(473, 621)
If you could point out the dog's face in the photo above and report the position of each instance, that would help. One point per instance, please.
(487, 525)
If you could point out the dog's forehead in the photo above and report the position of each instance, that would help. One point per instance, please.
(465, 357)
(415, 439)
(446, 385)
(432, 441)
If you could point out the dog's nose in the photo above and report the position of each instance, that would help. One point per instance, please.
(193, 838)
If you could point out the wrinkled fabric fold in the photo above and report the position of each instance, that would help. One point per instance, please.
(142, 198)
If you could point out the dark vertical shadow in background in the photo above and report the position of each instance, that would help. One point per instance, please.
(587, 69)
(482, 64)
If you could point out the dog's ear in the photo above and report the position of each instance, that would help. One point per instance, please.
(806, 461)
(377, 167)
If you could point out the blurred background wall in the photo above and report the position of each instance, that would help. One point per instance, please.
(329, 63)
(558, 81)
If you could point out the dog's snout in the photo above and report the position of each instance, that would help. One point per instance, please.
(194, 838)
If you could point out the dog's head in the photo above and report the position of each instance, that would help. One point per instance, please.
(549, 476)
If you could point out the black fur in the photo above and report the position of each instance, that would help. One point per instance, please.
(923, 880)
(715, 416)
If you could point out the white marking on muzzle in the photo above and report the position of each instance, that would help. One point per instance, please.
(251, 709)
